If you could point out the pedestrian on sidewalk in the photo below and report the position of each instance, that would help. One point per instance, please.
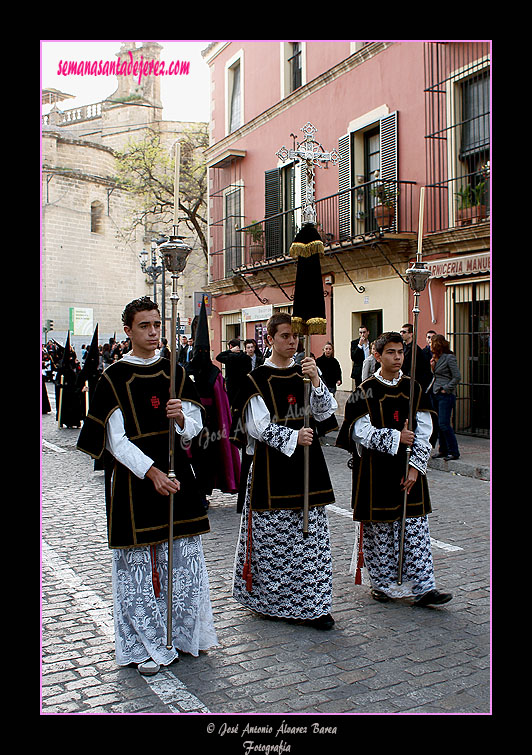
(443, 388)
(375, 430)
(128, 425)
(278, 572)
(331, 371)
(370, 364)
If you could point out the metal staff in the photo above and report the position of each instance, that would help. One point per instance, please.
(306, 449)
(417, 276)
(174, 253)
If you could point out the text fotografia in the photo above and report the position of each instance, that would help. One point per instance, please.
(123, 67)
(250, 746)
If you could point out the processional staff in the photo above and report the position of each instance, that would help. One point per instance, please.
(417, 277)
(175, 254)
(308, 312)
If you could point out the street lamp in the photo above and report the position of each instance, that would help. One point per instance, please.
(153, 269)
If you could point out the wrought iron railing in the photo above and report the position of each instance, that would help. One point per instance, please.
(358, 212)
(458, 202)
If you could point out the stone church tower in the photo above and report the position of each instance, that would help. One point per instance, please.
(90, 252)
(149, 88)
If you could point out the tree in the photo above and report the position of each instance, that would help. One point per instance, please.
(147, 169)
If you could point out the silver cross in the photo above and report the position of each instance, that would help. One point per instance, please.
(309, 153)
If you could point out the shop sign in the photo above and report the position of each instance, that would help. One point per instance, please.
(80, 321)
(470, 265)
(250, 314)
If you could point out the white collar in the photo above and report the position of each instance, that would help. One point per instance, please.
(378, 375)
(269, 363)
(132, 359)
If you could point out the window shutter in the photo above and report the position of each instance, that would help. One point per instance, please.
(235, 118)
(389, 169)
(272, 206)
(344, 182)
(233, 239)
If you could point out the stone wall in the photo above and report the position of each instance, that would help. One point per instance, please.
(80, 267)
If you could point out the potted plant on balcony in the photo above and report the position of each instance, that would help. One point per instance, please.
(256, 247)
(471, 206)
(479, 207)
(464, 197)
(384, 210)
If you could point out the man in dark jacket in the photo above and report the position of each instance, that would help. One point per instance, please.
(237, 365)
(423, 371)
(360, 350)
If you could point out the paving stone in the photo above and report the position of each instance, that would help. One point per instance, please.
(379, 658)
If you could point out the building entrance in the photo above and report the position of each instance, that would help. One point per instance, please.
(468, 329)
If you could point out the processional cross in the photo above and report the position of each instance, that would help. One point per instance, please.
(309, 154)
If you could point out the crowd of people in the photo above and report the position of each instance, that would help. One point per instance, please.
(281, 570)
(52, 354)
(74, 377)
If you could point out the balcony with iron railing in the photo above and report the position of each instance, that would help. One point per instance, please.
(374, 209)
(462, 202)
(369, 210)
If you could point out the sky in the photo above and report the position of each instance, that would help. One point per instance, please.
(184, 97)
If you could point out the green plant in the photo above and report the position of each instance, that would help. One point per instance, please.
(471, 196)
(464, 197)
(386, 194)
(256, 231)
(479, 193)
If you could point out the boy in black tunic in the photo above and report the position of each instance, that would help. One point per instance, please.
(375, 430)
(278, 572)
(128, 426)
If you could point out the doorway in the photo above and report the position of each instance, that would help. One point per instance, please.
(372, 319)
(468, 331)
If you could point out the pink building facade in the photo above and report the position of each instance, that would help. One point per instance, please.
(401, 115)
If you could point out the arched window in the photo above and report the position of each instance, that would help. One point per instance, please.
(96, 217)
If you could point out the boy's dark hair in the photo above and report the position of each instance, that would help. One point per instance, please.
(234, 342)
(281, 318)
(144, 304)
(391, 336)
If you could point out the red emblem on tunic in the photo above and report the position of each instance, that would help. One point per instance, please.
(291, 399)
(155, 402)
(396, 415)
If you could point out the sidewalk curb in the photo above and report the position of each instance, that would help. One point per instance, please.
(479, 472)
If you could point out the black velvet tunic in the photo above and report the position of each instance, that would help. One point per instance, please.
(377, 495)
(136, 513)
(277, 479)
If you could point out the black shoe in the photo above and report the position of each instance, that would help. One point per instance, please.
(322, 622)
(433, 598)
(451, 457)
(379, 595)
(439, 456)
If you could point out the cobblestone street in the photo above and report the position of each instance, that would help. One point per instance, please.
(379, 658)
